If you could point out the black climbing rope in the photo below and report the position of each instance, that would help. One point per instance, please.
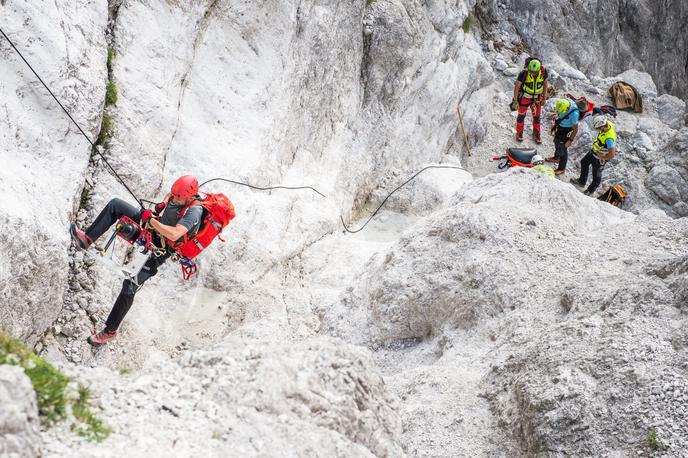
(266, 188)
(395, 190)
(93, 146)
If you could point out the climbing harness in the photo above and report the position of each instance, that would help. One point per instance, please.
(93, 146)
(132, 233)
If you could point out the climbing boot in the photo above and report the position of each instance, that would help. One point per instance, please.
(101, 337)
(536, 137)
(559, 171)
(552, 159)
(519, 137)
(81, 240)
(575, 182)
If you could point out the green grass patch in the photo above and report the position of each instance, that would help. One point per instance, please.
(123, 371)
(370, 2)
(49, 383)
(111, 59)
(89, 426)
(52, 390)
(105, 130)
(85, 199)
(468, 23)
(110, 93)
(653, 441)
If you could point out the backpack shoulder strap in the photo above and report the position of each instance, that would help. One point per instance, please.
(196, 201)
(559, 120)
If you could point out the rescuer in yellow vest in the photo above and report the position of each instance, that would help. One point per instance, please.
(603, 150)
(529, 91)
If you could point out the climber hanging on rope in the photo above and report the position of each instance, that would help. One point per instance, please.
(176, 219)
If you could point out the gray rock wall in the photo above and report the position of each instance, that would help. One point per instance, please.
(668, 176)
(42, 153)
(19, 423)
(601, 38)
(255, 393)
(580, 305)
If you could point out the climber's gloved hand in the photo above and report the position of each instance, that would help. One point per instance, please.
(159, 208)
(146, 215)
(514, 105)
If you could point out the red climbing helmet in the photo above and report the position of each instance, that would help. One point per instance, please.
(185, 187)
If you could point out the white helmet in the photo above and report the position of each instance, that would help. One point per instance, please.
(537, 160)
(599, 121)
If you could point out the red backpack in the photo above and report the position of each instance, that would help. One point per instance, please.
(218, 212)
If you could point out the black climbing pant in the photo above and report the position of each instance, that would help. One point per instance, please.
(112, 212)
(109, 215)
(561, 152)
(128, 291)
(597, 166)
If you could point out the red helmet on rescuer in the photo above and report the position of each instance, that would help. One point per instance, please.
(185, 187)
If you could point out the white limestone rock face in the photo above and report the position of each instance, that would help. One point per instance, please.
(583, 303)
(19, 423)
(256, 393)
(331, 96)
(612, 366)
(43, 155)
(472, 260)
(424, 194)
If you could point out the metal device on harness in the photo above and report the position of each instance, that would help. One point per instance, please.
(132, 233)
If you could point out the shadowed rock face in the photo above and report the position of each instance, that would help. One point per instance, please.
(606, 38)
(667, 179)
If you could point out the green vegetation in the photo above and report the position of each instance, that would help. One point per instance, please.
(49, 383)
(85, 198)
(110, 59)
(110, 94)
(653, 441)
(52, 390)
(468, 23)
(91, 428)
(105, 130)
(370, 2)
(124, 371)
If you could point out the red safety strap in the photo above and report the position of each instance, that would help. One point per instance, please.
(188, 271)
